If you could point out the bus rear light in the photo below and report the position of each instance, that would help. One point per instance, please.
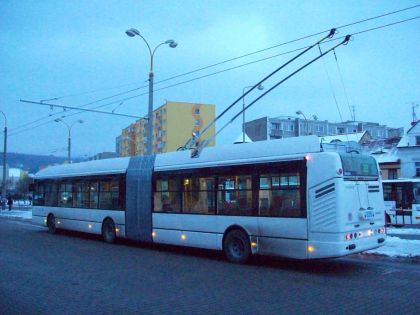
(348, 236)
(308, 157)
(381, 230)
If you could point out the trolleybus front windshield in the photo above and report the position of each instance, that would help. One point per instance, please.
(359, 166)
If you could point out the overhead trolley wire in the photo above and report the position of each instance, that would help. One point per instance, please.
(343, 85)
(222, 62)
(191, 140)
(203, 144)
(331, 86)
(247, 54)
(208, 75)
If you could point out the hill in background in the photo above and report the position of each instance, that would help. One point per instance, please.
(30, 162)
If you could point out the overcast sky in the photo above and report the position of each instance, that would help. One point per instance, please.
(65, 49)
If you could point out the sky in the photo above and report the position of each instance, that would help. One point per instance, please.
(78, 52)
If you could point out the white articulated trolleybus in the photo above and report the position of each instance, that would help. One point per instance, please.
(282, 197)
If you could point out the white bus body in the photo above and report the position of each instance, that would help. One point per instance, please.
(286, 196)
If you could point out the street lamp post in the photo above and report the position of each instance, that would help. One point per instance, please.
(259, 87)
(299, 112)
(69, 135)
(4, 190)
(133, 32)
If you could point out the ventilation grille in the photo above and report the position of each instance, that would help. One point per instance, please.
(324, 190)
(323, 212)
(373, 189)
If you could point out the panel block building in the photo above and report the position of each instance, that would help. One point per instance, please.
(268, 128)
(173, 125)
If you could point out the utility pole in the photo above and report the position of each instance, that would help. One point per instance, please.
(413, 111)
(354, 112)
(4, 186)
(69, 127)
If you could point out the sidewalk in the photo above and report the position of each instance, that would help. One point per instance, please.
(17, 213)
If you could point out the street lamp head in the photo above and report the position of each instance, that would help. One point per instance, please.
(260, 87)
(132, 32)
(80, 121)
(57, 119)
(315, 117)
(171, 43)
(299, 112)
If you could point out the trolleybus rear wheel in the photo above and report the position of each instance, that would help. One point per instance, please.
(236, 247)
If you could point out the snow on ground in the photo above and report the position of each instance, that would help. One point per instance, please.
(398, 247)
(402, 231)
(394, 246)
(22, 214)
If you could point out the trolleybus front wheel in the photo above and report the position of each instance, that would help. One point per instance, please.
(52, 228)
(236, 247)
(108, 231)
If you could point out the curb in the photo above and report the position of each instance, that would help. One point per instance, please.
(406, 259)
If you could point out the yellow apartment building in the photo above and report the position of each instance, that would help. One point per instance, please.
(173, 125)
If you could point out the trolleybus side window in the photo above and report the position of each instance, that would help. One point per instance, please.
(279, 195)
(234, 195)
(198, 195)
(51, 194)
(387, 192)
(108, 194)
(416, 192)
(93, 195)
(39, 197)
(167, 196)
(81, 191)
(65, 196)
(90, 193)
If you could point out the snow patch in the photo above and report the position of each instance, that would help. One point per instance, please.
(396, 231)
(397, 247)
(23, 214)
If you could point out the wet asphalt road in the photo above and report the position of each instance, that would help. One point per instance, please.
(70, 273)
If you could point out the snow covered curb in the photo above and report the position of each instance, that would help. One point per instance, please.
(25, 215)
(402, 231)
(398, 247)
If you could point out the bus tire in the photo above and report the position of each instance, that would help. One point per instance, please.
(236, 246)
(52, 228)
(108, 231)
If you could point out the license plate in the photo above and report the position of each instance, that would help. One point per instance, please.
(367, 215)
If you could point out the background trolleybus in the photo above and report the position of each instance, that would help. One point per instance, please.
(402, 201)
